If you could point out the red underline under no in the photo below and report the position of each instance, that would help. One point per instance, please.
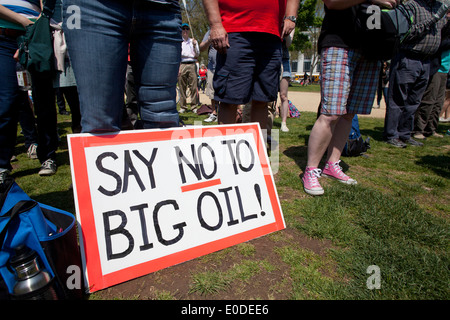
(200, 185)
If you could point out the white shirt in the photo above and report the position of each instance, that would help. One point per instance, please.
(189, 52)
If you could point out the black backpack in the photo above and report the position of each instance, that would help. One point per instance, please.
(356, 145)
(380, 32)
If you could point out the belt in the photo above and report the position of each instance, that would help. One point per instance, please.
(187, 62)
(12, 33)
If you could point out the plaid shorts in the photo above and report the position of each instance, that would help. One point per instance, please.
(348, 81)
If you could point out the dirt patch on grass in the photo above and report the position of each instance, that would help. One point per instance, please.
(271, 280)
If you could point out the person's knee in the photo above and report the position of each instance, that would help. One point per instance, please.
(348, 116)
(283, 96)
(259, 104)
(329, 119)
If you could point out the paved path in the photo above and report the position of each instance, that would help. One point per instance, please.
(309, 101)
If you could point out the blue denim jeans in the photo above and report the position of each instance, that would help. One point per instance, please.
(98, 49)
(9, 93)
(10, 104)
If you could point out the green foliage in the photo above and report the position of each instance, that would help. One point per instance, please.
(308, 18)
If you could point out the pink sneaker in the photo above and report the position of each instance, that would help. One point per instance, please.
(311, 183)
(334, 170)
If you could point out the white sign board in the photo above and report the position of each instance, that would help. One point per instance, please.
(149, 199)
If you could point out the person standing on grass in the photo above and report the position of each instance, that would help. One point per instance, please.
(444, 117)
(211, 68)
(348, 86)
(98, 40)
(410, 69)
(247, 36)
(284, 82)
(202, 74)
(187, 77)
(15, 16)
(426, 119)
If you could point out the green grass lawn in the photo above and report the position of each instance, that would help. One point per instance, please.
(396, 218)
(315, 87)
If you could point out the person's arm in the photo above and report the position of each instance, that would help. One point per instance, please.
(345, 4)
(205, 43)
(14, 17)
(218, 34)
(196, 48)
(421, 28)
(291, 11)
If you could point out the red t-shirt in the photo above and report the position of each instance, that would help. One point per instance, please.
(202, 73)
(253, 15)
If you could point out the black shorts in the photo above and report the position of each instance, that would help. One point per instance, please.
(250, 70)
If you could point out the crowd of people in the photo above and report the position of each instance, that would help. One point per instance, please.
(143, 47)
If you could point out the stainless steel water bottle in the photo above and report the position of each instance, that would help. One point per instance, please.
(32, 282)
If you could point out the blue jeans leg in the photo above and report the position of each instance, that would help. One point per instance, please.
(9, 90)
(99, 52)
(27, 120)
(155, 58)
(46, 116)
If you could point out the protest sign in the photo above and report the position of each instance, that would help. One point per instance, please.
(149, 199)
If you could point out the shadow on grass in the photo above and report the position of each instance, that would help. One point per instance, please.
(298, 154)
(375, 133)
(440, 164)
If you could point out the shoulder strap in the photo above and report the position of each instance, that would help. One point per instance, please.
(49, 7)
(4, 190)
(21, 206)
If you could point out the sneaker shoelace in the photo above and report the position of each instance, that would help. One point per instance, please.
(337, 169)
(48, 164)
(313, 176)
(31, 150)
(3, 176)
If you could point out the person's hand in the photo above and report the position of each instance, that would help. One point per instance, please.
(219, 39)
(389, 4)
(16, 55)
(25, 22)
(288, 26)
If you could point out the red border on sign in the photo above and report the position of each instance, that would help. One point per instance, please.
(78, 143)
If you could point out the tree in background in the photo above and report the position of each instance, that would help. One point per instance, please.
(307, 31)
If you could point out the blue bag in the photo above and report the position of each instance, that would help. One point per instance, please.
(48, 231)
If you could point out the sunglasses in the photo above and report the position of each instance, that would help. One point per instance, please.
(184, 28)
